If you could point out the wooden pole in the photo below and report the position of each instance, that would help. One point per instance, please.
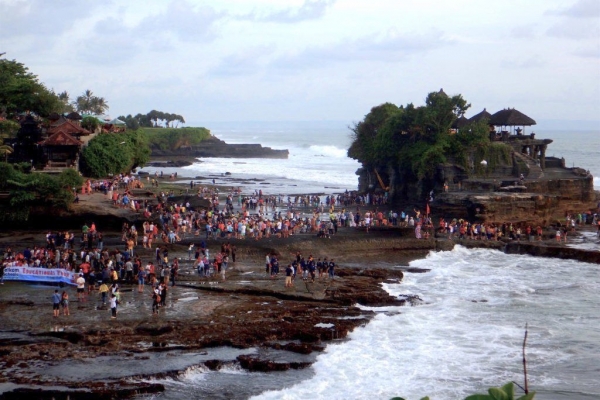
(525, 361)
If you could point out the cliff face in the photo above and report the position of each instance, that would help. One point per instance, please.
(496, 194)
(214, 147)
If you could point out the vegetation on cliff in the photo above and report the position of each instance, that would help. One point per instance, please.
(152, 119)
(174, 138)
(22, 190)
(416, 140)
(112, 154)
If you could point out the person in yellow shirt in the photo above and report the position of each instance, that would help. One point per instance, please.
(103, 291)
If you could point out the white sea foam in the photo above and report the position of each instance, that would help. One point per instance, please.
(467, 335)
(329, 151)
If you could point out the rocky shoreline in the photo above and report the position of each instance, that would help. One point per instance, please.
(203, 316)
(248, 321)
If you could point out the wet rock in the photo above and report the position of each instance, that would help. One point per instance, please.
(116, 392)
(154, 330)
(213, 365)
(73, 337)
(253, 364)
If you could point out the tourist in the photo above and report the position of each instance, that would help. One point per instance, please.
(141, 280)
(80, 287)
(288, 276)
(56, 303)
(174, 270)
(331, 269)
(155, 301)
(65, 303)
(267, 264)
(113, 305)
(103, 290)
(558, 234)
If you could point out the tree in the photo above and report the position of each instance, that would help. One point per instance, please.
(65, 100)
(111, 154)
(90, 123)
(89, 104)
(131, 122)
(21, 91)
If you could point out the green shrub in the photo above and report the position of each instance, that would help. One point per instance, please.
(114, 153)
(174, 138)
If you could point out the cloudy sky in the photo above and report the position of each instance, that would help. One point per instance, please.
(274, 60)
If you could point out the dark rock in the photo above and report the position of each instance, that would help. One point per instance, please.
(154, 330)
(214, 147)
(104, 393)
(213, 365)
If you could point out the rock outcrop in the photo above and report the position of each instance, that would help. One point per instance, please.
(215, 147)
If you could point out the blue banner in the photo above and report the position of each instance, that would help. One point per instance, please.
(39, 275)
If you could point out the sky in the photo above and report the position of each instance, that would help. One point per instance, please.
(313, 60)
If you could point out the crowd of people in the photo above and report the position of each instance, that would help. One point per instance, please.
(257, 216)
(308, 269)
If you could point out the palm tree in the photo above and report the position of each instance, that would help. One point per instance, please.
(98, 105)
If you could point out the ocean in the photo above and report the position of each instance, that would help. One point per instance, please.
(466, 335)
(318, 161)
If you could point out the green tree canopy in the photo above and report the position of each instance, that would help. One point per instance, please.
(21, 91)
(27, 190)
(115, 153)
(90, 104)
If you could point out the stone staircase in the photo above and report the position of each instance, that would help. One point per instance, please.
(535, 171)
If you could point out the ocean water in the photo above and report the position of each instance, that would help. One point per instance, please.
(466, 335)
(318, 161)
(579, 148)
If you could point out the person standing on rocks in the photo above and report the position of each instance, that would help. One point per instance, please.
(113, 305)
(65, 303)
(155, 301)
(267, 264)
(288, 276)
(141, 280)
(331, 269)
(80, 288)
(56, 303)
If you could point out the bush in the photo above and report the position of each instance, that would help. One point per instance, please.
(26, 190)
(174, 138)
(114, 153)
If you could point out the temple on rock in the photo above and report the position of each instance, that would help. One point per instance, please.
(523, 184)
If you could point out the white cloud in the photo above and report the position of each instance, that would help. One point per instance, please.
(309, 10)
(579, 9)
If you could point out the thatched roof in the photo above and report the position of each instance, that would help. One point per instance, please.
(54, 116)
(482, 115)
(460, 122)
(74, 116)
(511, 117)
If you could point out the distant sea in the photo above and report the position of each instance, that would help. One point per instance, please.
(466, 335)
(318, 161)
